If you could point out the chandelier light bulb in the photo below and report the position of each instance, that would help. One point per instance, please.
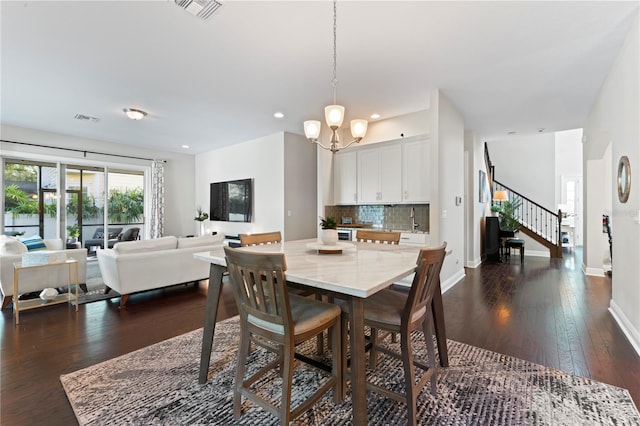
(312, 129)
(334, 114)
(358, 128)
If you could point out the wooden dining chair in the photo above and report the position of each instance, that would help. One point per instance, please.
(258, 239)
(382, 237)
(396, 312)
(277, 321)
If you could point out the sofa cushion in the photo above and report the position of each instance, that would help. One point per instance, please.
(11, 246)
(54, 244)
(205, 240)
(143, 246)
(34, 243)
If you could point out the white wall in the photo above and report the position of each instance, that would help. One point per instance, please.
(527, 164)
(283, 169)
(615, 118)
(300, 188)
(262, 160)
(179, 181)
(476, 210)
(450, 141)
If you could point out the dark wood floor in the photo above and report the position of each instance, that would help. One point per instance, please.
(545, 311)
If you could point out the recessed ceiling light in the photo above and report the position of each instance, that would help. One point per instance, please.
(511, 133)
(134, 114)
(185, 146)
(374, 116)
(278, 115)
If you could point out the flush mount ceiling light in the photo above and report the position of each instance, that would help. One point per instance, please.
(334, 114)
(200, 8)
(134, 114)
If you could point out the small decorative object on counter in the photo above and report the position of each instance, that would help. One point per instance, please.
(329, 227)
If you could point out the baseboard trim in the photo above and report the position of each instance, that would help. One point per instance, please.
(537, 253)
(451, 281)
(596, 272)
(474, 263)
(627, 328)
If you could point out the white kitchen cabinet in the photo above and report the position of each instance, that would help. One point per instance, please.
(344, 178)
(415, 172)
(379, 175)
(411, 239)
(414, 238)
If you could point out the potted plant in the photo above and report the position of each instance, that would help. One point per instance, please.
(329, 227)
(508, 211)
(73, 232)
(200, 218)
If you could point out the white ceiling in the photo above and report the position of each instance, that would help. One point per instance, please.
(507, 66)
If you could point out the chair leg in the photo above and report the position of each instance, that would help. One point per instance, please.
(337, 356)
(373, 353)
(409, 376)
(427, 330)
(243, 351)
(344, 335)
(287, 383)
(319, 337)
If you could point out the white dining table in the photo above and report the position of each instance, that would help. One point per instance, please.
(360, 270)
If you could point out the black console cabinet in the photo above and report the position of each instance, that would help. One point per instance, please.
(492, 239)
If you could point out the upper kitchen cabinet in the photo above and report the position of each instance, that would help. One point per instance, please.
(379, 175)
(415, 172)
(344, 178)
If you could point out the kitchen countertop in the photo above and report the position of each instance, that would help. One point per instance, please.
(369, 226)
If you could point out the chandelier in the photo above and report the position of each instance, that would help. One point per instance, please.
(334, 114)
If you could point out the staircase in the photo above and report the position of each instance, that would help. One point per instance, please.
(539, 223)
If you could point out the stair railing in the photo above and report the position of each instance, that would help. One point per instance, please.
(537, 219)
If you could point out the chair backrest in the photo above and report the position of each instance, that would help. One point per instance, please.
(382, 237)
(257, 239)
(130, 234)
(425, 282)
(260, 288)
(98, 233)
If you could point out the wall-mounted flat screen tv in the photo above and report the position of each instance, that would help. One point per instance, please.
(231, 201)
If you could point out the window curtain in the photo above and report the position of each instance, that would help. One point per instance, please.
(157, 199)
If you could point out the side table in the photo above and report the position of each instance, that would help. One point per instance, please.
(24, 305)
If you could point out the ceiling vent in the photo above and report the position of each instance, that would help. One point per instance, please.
(200, 8)
(83, 117)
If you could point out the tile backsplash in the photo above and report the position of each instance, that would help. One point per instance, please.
(383, 216)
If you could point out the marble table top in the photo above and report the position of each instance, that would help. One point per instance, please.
(359, 271)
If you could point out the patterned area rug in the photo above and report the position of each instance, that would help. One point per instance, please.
(158, 385)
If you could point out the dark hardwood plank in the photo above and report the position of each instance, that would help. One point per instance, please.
(545, 311)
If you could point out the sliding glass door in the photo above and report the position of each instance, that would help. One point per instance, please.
(30, 199)
(96, 202)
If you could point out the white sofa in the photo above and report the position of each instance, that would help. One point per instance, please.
(133, 266)
(37, 279)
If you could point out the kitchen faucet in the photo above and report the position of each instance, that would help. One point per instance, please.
(412, 215)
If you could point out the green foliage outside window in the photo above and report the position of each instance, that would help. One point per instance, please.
(19, 202)
(89, 207)
(126, 206)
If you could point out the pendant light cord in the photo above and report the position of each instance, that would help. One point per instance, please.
(334, 82)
